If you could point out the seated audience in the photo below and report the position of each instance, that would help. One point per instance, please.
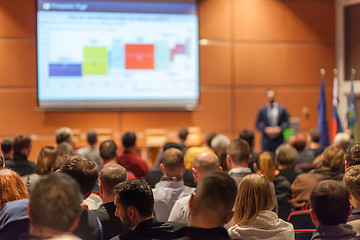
(352, 157)
(314, 145)
(332, 168)
(342, 140)
(285, 158)
(219, 144)
(65, 134)
(129, 158)
(91, 151)
(109, 177)
(330, 208)
(203, 164)
(253, 218)
(54, 207)
(210, 208)
(45, 161)
(249, 135)
(20, 163)
(7, 148)
(134, 203)
(65, 149)
(171, 186)
(305, 156)
(352, 184)
(11, 186)
(182, 134)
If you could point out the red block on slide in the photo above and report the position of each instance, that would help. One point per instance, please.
(139, 56)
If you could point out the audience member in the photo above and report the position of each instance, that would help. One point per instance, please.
(134, 203)
(59, 161)
(65, 149)
(20, 163)
(2, 161)
(352, 157)
(11, 186)
(330, 207)
(91, 151)
(109, 177)
(238, 157)
(7, 148)
(253, 218)
(182, 134)
(285, 158)
(129, 159)
(332, 168)
(219, 144)
(64, 134)
(352, 183)
(210, 208)
(203, 164)
(305, 156)
(314, 145)
(342, 140)
(272, 120)
(171, 186)
(54, 207)
(45, 161)
(249, 135)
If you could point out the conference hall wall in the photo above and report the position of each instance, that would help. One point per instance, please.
(251, 45)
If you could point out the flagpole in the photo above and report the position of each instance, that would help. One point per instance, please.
(351, 112)
(322, 123)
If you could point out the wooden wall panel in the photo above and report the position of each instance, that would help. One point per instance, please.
(17, 63)
(215, 65)
(273, 20)
(282, 64)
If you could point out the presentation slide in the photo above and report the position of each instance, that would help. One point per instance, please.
(132, 55)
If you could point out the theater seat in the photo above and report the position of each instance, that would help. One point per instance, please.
(301, 220)
(303, 234)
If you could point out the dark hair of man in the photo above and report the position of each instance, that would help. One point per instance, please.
(2, 160)
(46, 158)
(108, 149)
(173, 158)
(64, 148)
(183, 133)
(286, 155)
(353, 155)
(63, 135)
(247, 135)
(110, 176)
(169, 145)
(239, 151)
(55, 202)
(21, 142)
(209, 138)
(215, 196)
(6, 145)
(91, 137)
(136, 193)
(330, 202)
(83, 171)
(59, 161)
(128, 139)
(352, 181)
(298, 141)
(315, 135)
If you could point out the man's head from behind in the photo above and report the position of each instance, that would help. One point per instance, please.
(173, 163)
(54, 205)
(247, 135)
(329, 202)
(134, 202)
(128, 139)
(353, 156)
(7, 147)
(22, 144)
(64, 134)
(91, 137)
(203, 164)
(238, 153)
(315, 135)
(108, 150)
(213, 201)
(109, 177)
(286, 155)
(352, 183)
(83, 171)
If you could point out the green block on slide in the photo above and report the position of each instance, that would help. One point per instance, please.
(162, 57)
(95, 61)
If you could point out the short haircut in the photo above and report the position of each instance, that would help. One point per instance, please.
(136, 193)
(110, 176)
(315, 135)
(21, 142)
(91, 137)
(108, 149)
(298, 141)
(55, 202)
(12, 187)
(215, 196)
(173, 158)
(183, 133)
(353, 155)
(352, 181)
(286, 155)
(334, 158)
(83, 171)
(172, 145)
(254, 195)
(59, 161)
(330, 202)
(6, 145)
(128, 139)
(247, 135)
(64, 148)
(343, 140)
(206, 161)
(63, 135)
(239, 151)
(46, 159)
(209, 137)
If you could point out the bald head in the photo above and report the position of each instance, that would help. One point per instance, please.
(110, 176)
(173, 163)
(204, 163)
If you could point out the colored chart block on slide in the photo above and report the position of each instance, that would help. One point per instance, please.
(139, 56)
(95, 61)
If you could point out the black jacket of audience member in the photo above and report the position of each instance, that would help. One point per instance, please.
(154, 176)
(20, 164)
(289, 173)
(340, 231)
(194, 233)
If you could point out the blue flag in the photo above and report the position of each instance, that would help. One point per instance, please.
(322, 123)
(351, 113)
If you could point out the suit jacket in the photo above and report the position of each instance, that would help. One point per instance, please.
(262, 121)
(112, 225)
(195, 233)
(20, 164)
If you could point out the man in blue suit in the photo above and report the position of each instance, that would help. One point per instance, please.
(271, 120)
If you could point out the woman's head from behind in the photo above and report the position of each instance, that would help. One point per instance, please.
(265, 165)
(11, 187)
(46, 159)
(254, 195)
